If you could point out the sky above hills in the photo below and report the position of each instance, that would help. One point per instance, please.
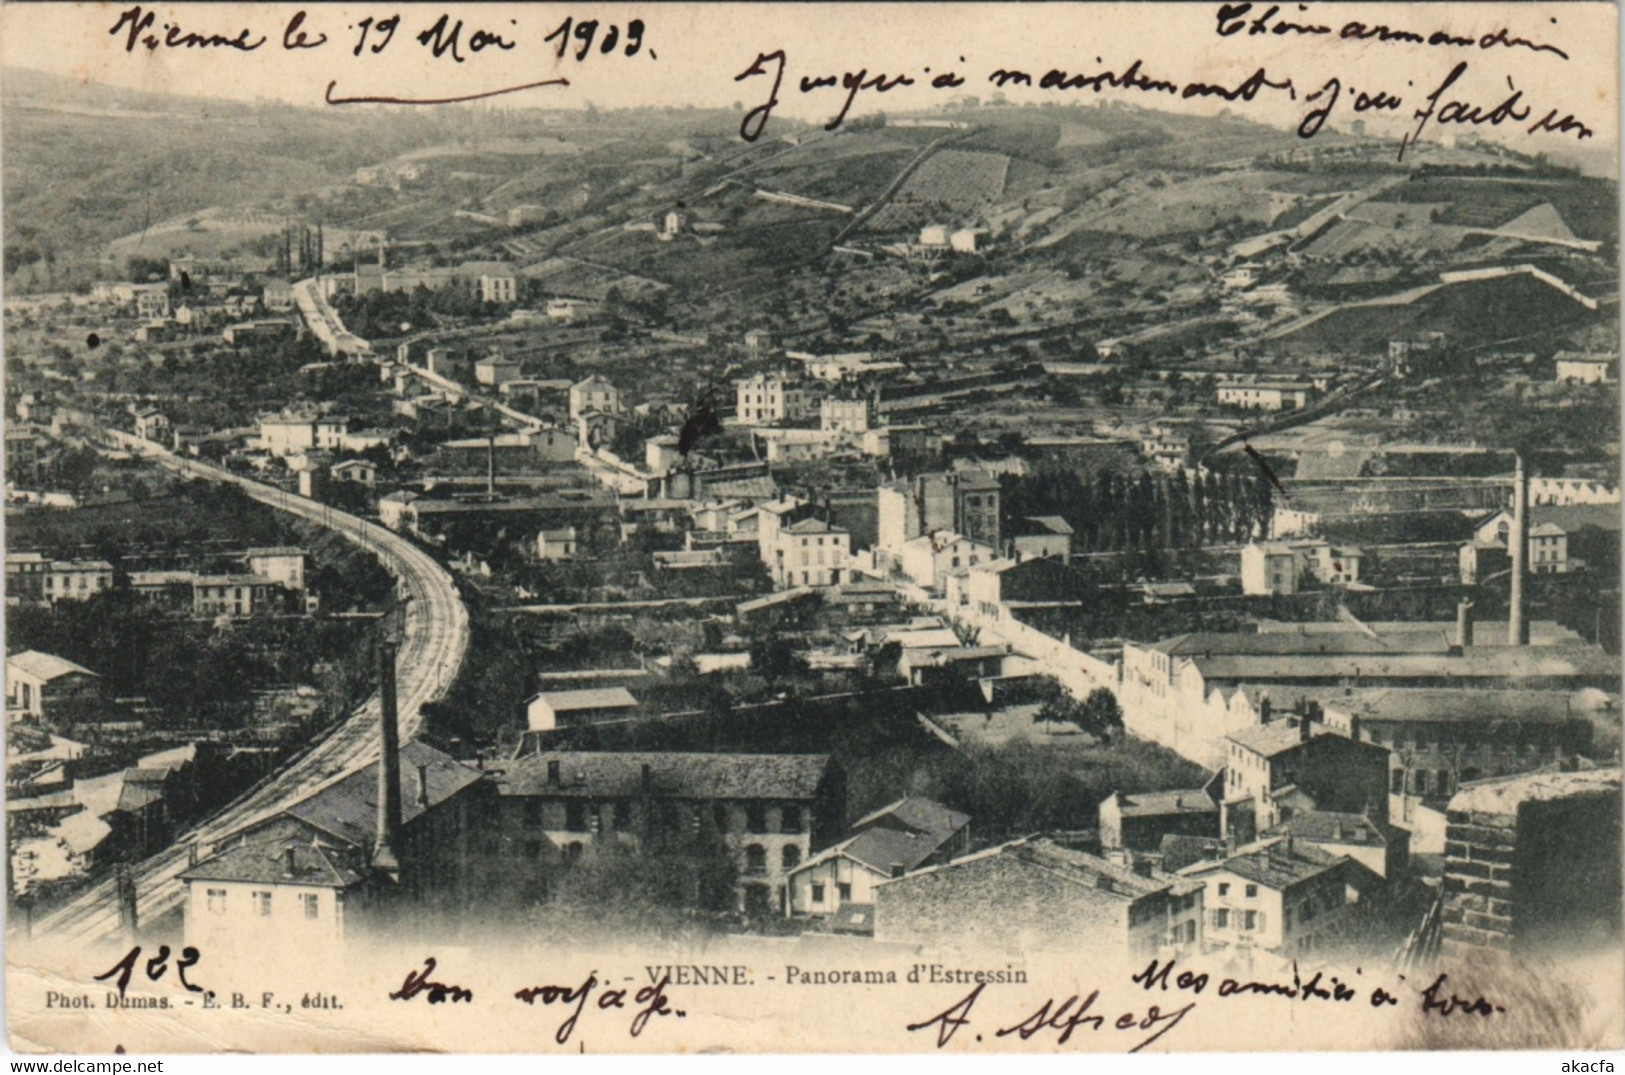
(694, 55)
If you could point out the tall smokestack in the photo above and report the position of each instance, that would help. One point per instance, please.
(491, 465)
(389, 767)
(1517, 622)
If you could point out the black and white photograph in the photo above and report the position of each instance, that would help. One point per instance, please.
(802, 528)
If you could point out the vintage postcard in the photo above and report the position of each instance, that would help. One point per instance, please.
(781, 528)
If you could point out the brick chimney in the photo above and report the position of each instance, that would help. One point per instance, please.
(423, 787)
(389, 767)
(1464, 624)
(1306, 728)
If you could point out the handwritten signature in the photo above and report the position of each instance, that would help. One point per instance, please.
(1061, 1018)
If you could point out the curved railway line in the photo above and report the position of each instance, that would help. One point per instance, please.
(432, 647)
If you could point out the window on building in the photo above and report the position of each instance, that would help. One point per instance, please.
(1421, 779)
(1399, 782)
(311, 904)
(217, 901)
(844, 891)
(1224, 888)
(790, 819)
(262, 904)
(818, 894)
(756, 818)
(1221, 919)
(1249, 921)
(755, 859)
(790, 856)
(575, 816)
(572, 851)
(1252, 892)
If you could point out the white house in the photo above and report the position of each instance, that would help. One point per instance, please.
(285, 434)
(1548, 549)
(77, 580)
(549, 709)
(1269, 568)
(496, 370)
(594, 394)
(1266, 396)
(1286, 897)
(1577, 368)
(906, 835)
(930, 559)
(769, 399)
(278, 891)
(810, 553)
(555, 545)
(355, 470)
(284, 564)
(36, 682)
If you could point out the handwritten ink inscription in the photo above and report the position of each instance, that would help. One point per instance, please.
(1061, 1019)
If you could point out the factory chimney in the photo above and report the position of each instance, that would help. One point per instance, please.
(1464, 624)
(1517, 621)
(491, 465)
(389, 767)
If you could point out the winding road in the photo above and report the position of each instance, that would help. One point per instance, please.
(434, 642)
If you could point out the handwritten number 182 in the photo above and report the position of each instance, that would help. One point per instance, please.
(586, 30)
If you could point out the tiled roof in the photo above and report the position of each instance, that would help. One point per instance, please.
(1503, 795)
(1434, 703)
(1160, 803)
(1288, 644)
(685, 776)
(1276, 737)
(881, 848)
(1179, 851)
(137, 793)
(348, 809)
(1327, 826)
(1276, 863)
(1043, 524)
(1079, 867)
(267, 863)
(44, 666)
(919, 813)
(813, 526)
(1489, 663)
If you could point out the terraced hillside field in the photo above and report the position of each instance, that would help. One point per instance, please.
(950, 185)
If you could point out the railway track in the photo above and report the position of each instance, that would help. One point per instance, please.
(432, 647)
